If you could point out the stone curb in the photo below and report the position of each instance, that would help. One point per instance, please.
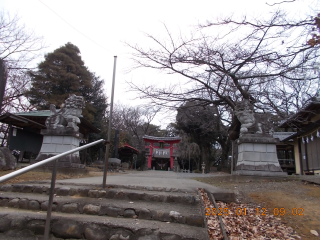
(143, 188)
(104, 193)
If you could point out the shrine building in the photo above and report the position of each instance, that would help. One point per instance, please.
(161, 151)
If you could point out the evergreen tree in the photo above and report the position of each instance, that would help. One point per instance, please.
(62, 73)
(96, 109)
(205, 126)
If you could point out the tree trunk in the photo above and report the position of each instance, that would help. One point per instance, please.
(225, 153)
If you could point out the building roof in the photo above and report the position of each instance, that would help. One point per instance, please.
(36, 120)
(303, 116)
(126, 147)
(20, 121)
(304, 130)
(167, 139)
(282, 135)
(42, 113)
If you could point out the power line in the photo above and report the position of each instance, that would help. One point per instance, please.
(74, 27)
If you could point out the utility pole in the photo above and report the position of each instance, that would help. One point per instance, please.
(3, 80)
(106, 160)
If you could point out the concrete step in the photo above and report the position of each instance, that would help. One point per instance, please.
(26, 224)
(139, 209)
(128, 192)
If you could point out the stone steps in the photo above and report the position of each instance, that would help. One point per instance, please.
(161, 211)
(111, 192)
(24, 224)
(89, 212)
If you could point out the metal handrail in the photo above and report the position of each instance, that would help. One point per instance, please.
(43, 162)
(53, 179)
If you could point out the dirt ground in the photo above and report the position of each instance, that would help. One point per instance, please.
(38, 175)
(297, 203)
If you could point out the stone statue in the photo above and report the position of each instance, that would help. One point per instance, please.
(245, 114)
(68, 116)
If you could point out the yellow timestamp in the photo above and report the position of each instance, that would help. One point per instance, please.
(256, 211)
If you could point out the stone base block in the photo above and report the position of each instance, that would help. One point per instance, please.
(255, 154)
(266, 167)
(53, 145)
(71, 161)
(68, 161)
(259, 173)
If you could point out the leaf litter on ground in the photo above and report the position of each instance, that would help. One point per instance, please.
(242, 221)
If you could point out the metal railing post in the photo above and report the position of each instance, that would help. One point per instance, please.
(53, 183)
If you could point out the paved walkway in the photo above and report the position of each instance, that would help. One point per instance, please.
(152, 179)
(311, 178)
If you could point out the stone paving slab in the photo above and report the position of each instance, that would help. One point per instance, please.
(311, 178)
(156, 179)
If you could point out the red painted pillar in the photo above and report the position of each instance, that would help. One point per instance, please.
(171, 157)
(150, 156)
(149, 162)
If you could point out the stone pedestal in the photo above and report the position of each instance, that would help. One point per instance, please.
(59, 141)
(257, 155)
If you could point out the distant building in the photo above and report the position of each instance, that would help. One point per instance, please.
(161, 151)
(24, 130)
(306, 139)
(126, 154)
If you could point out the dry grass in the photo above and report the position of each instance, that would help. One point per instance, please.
(307, 201)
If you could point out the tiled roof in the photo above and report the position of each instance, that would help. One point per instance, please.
(126, 145)
(39, 118)
(307, 112)
(161, 138)
(43, 113)
(36, 113)
(282, 135)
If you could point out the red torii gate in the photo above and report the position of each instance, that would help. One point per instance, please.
(161, 149)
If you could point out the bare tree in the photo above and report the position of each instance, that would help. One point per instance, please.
(136, 122)
(19, 47)
(315, 38)
(244, 59)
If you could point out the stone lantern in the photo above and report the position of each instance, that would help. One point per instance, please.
(203, 166)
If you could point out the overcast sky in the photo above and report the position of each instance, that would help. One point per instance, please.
(101, 27)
